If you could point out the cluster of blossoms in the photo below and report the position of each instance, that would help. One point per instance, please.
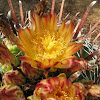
(46, 48)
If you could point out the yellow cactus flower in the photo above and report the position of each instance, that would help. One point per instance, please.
(46, 45)
(59, 88)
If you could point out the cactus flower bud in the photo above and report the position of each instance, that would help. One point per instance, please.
(29, 71)
(13, 77)
(11, 92)
(59, 88)
(94, 91)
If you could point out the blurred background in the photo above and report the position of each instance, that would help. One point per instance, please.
(70, 6)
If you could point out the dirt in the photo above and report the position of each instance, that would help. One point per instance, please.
(70, 6)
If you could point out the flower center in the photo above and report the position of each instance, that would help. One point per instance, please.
(62, 94)
(48, 46)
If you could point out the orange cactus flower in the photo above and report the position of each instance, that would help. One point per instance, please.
(44, 44)
(59, 88)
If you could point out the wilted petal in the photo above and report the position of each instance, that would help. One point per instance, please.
(5, 55)
(29, 71)
(77, 64)
(94, 91)
(6, 30)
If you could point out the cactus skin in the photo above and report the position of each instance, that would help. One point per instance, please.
(5, 68)
(14, 49)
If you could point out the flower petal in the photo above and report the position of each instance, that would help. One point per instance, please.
(72, 48)
(28, 60)
(37, 22)
(26, 37)
(62, 30)
(53, 22)
(69, 34)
